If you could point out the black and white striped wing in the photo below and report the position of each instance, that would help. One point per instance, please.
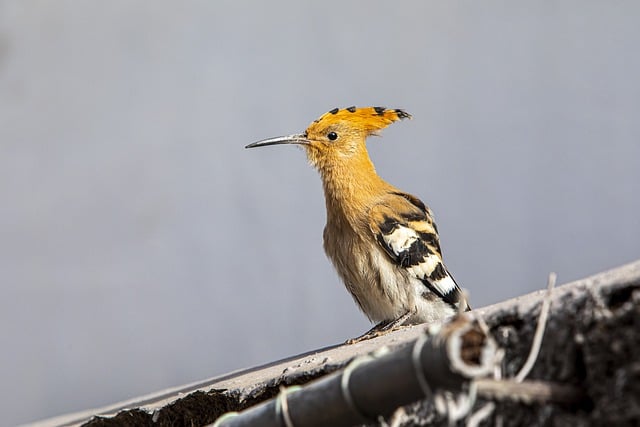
(404, 228)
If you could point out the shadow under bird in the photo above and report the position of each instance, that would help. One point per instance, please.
(382, 241)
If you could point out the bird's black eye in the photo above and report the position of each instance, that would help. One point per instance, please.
(332, 136)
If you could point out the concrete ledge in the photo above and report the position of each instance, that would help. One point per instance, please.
(570, 353)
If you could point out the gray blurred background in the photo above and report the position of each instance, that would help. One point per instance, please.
(142, 247)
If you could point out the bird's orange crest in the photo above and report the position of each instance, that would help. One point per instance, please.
(367, 119)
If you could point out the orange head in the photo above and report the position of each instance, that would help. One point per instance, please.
(339, 134)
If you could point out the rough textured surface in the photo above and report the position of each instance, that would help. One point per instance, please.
(197, 408)
(202, 408)
(591, 340)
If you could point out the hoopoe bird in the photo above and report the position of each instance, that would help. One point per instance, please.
(382, 241)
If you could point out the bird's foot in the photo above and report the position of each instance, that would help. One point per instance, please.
(381, 328)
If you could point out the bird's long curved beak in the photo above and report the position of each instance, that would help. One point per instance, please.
(299, 139)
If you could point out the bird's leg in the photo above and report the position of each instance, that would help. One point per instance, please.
(381, 328)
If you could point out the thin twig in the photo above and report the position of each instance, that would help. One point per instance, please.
(537, 337)
(481, 414)
(498, 389)
(528, 391)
